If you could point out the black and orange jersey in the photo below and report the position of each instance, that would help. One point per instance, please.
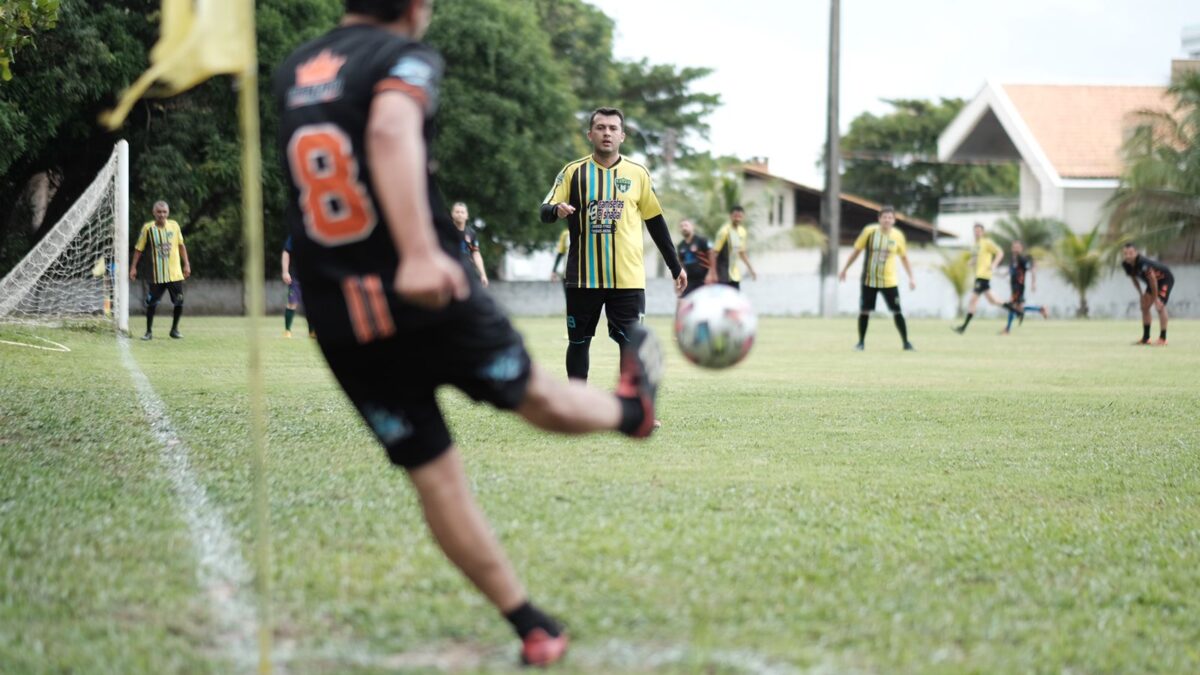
(693, 255)
(344, 253)
(1146, 269)
(1017, 267)
(605, 249)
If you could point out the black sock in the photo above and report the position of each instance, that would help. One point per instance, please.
(1162, 334)
(1145, 332)
(862, 327)
(578, 360)
(150, 318)
(288, 315)
(901, 326)
(175, 317)
(968, 321)
(632, 415)
(526, 618)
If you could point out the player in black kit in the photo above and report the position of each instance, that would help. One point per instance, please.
(395, 311)
(1159, 283)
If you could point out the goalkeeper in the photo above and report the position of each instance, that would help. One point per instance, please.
(166, 252)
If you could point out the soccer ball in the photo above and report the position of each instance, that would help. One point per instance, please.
(715, 326)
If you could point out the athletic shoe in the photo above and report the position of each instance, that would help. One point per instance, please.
(148, 336)
(1141, 343)
(176, 334)
(959, 329)
(1045, 313)
(908, 347)
(859, 347)
(540, 649)
(1160, 342)
(287, 334)
(1004, 331)
(641, 371)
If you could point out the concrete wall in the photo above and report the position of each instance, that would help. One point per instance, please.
(788, 285)
(1083, 208)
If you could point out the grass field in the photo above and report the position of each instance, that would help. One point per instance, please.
(987, 504)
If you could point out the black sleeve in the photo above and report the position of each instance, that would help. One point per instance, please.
(548, 213)
(662, 239)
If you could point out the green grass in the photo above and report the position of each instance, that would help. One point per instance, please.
(987, 504)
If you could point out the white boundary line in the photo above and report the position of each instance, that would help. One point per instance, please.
(56, 348)
(221, 571)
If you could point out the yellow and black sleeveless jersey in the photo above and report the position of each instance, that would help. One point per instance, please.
(882, 249)
(605, 231)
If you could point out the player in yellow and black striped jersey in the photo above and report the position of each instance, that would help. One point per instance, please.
(167, 252)
(883, 244)
(605, 197)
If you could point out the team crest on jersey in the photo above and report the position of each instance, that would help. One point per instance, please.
(623, 184)
(317, 80)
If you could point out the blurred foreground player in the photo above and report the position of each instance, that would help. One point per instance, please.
(396, 312)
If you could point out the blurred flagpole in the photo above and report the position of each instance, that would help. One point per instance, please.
(831, 205)
(197, 40)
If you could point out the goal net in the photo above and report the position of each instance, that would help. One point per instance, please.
(77, 273)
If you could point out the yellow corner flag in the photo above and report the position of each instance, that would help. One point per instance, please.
(198, 39)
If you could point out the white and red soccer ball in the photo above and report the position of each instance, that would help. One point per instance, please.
(715, 326)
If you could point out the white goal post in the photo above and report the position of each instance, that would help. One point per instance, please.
(79, 271)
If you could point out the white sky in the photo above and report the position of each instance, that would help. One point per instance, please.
(771, 66)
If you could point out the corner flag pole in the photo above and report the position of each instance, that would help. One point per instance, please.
(831, 206)
(253, 281)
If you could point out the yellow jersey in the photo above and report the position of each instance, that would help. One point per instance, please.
(564, 240)
(164, 250)
(985, 252)
(729, 244)
(605, 233)
(882, 250)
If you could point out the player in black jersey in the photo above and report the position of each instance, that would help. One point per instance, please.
(1159, 282)
(395, 310)
(696, 255)
(1019, 267)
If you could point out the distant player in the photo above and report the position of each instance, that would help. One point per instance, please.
(884, 244)
(294, 298)
(1159, 282)
(397, 313)
(470, 240)
(729, 246)
(560, 250)
(605, 197)
(1020, 266)
(987, 256)
(695, 253)
(166, 252)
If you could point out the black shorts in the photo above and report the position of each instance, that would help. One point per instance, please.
(982, 286)
(695, 280)
(175, 288)
(1164, 289)
(470, 345)
(623, 307)
(891, 296)
(1018, 295)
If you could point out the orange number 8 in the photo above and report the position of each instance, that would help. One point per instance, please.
(337, 208)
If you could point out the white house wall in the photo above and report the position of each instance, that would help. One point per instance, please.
(1084, 207)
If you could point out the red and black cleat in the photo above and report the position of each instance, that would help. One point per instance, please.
(641, 371)
(541, 649)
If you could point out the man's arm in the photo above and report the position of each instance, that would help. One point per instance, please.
(1152, 289)
(912, 282)
(477, 258)
(662, 239)
(396, 150)
(746, 259)
(285, 262)
(554, 270)
(1032, 276)
(849, 262)
(137, 255)
(997, 260)
(187, 266)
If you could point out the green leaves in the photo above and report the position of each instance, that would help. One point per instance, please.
(20, 20)
(1082, 260)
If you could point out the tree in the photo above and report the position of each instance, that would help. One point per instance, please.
(663, 114)
(956, 267)
(1082, 260)
(892, 159)
(1037, 234)
(1158, 201)
(20, 21)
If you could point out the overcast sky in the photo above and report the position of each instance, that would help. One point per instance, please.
(770, 56)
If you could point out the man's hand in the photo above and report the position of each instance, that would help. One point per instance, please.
(711, 277)
(431, 281)
(753, 275)
(681, 282)
(1158, 304)
(133, 274)
(554, 276)
(483, 281)
(563, 209)
(912, 284)
(842, 276)
(287, 278)
(187, 271)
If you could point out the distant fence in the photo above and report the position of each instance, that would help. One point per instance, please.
(788, 285)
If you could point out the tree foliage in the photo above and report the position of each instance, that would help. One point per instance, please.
(896, 160)
(956, 267)
(1037, 234)
(20, 21)
(1158, 202)
(1082, 260)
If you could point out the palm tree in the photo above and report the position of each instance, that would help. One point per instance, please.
(957, 270)
(1037, 234)
(1158, 202)
(1082, 260)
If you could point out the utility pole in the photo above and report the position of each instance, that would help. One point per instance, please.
(831, 206)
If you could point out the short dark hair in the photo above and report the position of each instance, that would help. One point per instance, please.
(606, 111)
(737, 207)
(1130, 244)
(381, 10)
(887, 208)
